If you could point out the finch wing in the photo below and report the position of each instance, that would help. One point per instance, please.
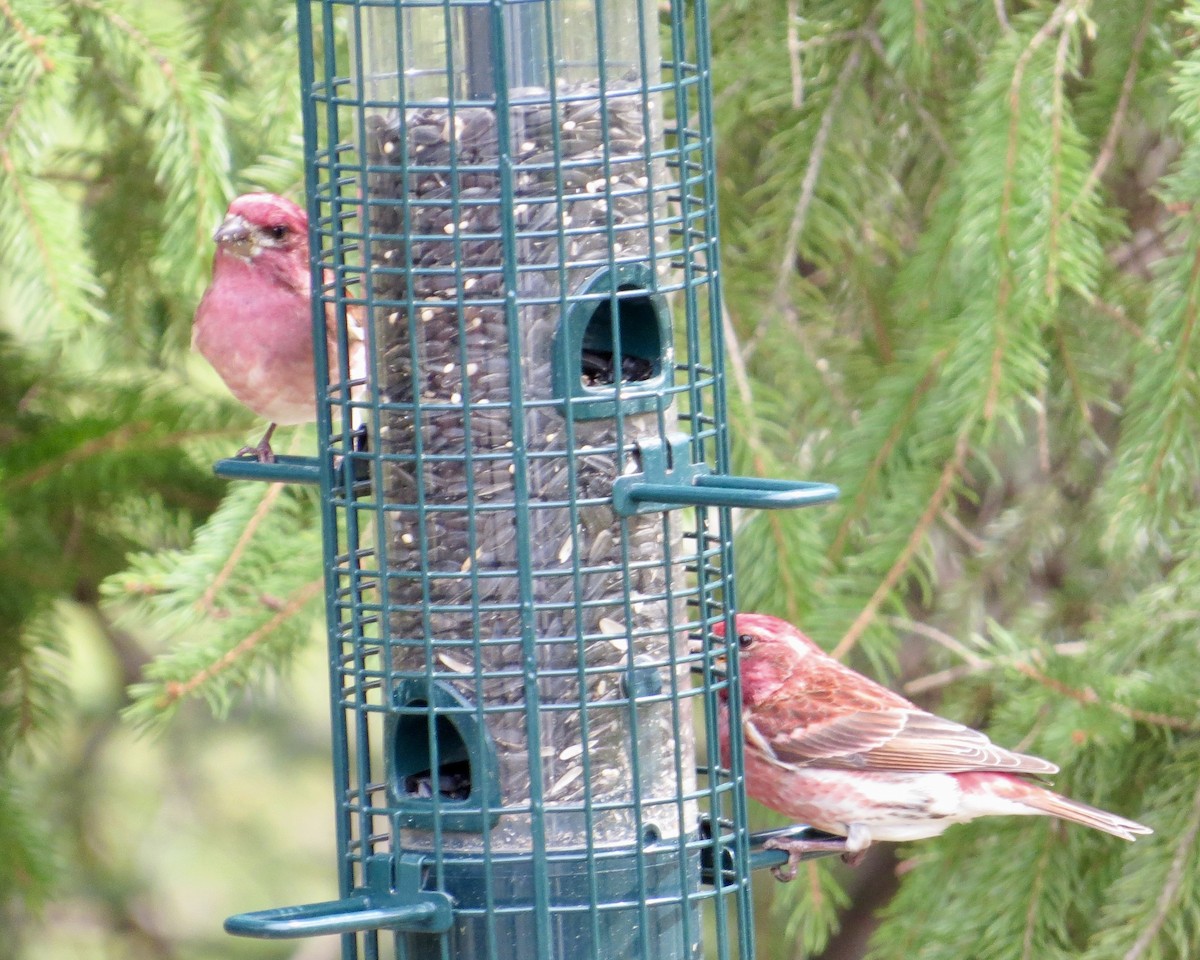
(835, 717)
(895, 739)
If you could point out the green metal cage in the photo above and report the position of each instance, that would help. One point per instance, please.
(526, 492)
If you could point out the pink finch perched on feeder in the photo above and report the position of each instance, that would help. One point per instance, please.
(828, 747)
(254, 322)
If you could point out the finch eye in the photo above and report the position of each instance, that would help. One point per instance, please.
(745, 640)
(278, 232)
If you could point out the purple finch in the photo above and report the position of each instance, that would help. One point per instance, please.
(828, 747)
(254, 322)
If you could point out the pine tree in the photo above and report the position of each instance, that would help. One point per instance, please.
(125, 127)
(960, 251)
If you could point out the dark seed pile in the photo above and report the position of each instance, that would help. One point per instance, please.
(600, 370)
(453, 443)
(454, 782)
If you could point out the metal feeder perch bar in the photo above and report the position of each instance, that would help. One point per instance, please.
(520, 198)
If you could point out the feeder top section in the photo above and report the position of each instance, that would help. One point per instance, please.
(430, 52)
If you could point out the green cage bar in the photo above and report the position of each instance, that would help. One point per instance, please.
(527, 500)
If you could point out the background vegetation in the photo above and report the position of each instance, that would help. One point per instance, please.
(963, 276)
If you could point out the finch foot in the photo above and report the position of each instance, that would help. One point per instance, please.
(262, 452)
(796, 849)
(857, 840)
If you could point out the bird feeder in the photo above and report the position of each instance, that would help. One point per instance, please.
(527, 500)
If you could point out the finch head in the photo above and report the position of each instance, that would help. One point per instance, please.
(773, 654)
(267, 231)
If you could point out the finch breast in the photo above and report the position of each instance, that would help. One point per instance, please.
(261, 347)
(894, 806)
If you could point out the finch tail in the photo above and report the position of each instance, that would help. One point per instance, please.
(1037, 799)
(988, 794)
(1046, 801)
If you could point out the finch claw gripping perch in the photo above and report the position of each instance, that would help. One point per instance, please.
(795, 849)
(262, 452)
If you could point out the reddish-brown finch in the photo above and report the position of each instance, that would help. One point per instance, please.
(254, 322)
(828, 747)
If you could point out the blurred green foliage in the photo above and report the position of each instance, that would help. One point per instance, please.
(959, 249)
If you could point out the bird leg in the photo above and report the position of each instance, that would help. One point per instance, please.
(796, 849)
(853, 847)
(858, 838)
(263, 452)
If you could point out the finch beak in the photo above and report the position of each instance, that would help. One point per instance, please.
(236, 236)
(716, 663)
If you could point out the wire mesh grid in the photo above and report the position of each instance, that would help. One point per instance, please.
(498, 194)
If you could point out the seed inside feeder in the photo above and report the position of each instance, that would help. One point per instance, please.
(454, 782)
(599, 369)
(440, 221)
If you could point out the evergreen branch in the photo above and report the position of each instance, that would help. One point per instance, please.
(944, 678)
(1005, 286)
(14, 115)
(759, 451)
(1108, 149)
(121, 438)
(33, 676)
(1170, 890)
(1148, 246)
(177, 690)
(1150, 485)
(1123, 321)
(1035, 895)
(745, 390)
(815, 893)
(23, 681)
(154, 53)
(1053, 23)
(875, 42)
(859, 504)
(920, 28)
(35, 43)
(239, 548)
(812, 173)
(1002, 15)
(190, 158)
(973, 543)
(940, 637)
(1072, 376)
(1056, 147)
(116, 439)
(808, 186)
(1043, 431)
(1089, 697)
(795, 48)
(49, 265)
(915, 539)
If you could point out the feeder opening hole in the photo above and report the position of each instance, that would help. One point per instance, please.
(636, 329)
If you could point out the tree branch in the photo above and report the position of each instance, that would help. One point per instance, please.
(1170, 890)
(239, 548)
(915, 539)
(943, 678)
(858, 504)
(1091, 698)
(177, 690)
(795, 50)
(35, 43)
(1108, 149)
